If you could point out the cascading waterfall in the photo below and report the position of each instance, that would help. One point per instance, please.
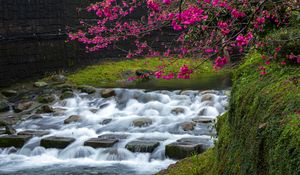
(132, 115)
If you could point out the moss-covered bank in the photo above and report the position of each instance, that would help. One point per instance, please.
(260, 134)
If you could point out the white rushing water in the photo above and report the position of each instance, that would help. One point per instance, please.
(127, 106)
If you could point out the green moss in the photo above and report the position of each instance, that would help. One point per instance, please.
(194, 165)
(259, 107)
(108, 73)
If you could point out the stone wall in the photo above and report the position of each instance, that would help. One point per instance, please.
(32, 39)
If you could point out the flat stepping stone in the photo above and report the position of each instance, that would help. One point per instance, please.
(182, 149)
(100, 142)
(113, 136)
(34, 133)
(56, 142)
(202, 120)
(143, 146)
(17, 141)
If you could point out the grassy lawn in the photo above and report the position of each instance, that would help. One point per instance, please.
(108, 73)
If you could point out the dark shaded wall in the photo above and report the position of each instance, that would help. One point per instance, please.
(32, 39)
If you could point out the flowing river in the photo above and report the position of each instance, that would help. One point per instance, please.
(163, 116)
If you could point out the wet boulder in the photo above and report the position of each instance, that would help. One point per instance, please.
(106, 93)
(207, 97)
(40, 84)
(9, 93)
(17, 141)
(208, 111)
(22, 106)
(188, 126)
(45, 109)
(72, 118)
(46, 98)
(4, 106)
(142, 146)
(59, 79)
(183, 148)
(142, 122)
(56, 142)
(177, 110)
(101, 142)
(67, 94)
(87, 89)
(106, 121)
(34, 133)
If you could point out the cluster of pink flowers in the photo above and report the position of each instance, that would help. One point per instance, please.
(224, 27)
(188, 17)
(242, 40)
(204, 27)
(185, 72)
(220, 62)
(153, 5)
(237, 14)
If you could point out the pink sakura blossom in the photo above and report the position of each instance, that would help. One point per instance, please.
(168, 77)
(158, 74)
(244, 40)
(153, 5)
(237, 14)
(220, 62)
(167, 2)
(184, 72)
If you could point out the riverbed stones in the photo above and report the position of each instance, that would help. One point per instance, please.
(40, 84)
(183, 148)
(87, 89)
(144, 146)
(22, 106)
(106, 93)
(13, 140)
(67, 94)
(9, 93)
(72, 118)
(60, 79)
(101, 142)
(10, 130)
(177, 110)
(4, 106)
(142, 122)
(45, 109)
(46, 98)
(188, 126)
(34, 133)
(56, 142)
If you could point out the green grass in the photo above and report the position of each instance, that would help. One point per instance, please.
(108, 73)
